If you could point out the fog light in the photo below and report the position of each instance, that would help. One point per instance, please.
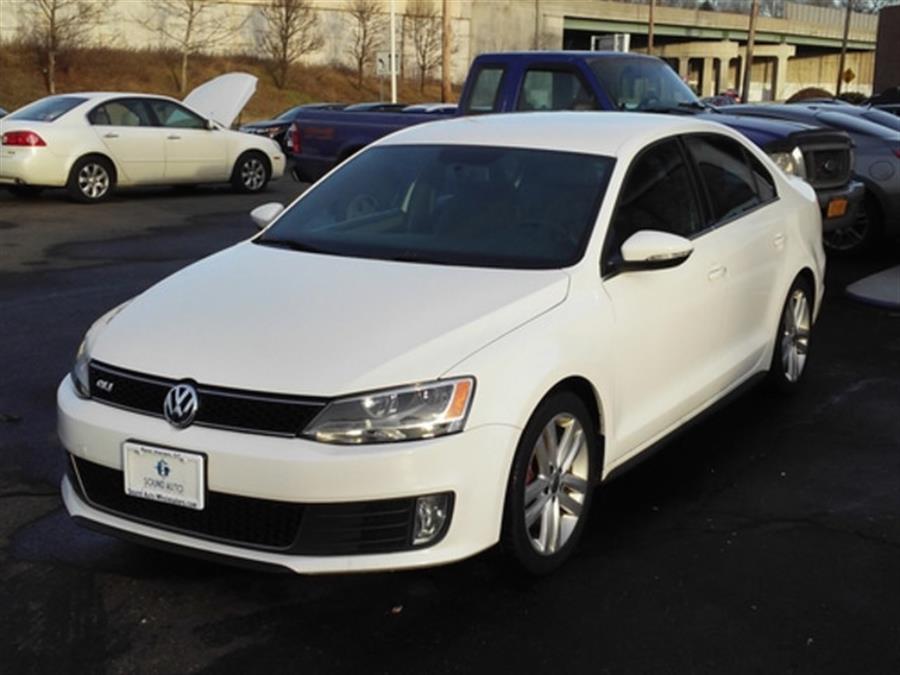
(432, 515)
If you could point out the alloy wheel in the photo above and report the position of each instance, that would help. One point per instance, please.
(253, 174)
(795, 329)
(556, 484)
(93, 180)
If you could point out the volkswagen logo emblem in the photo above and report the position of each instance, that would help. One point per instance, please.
(180, 406)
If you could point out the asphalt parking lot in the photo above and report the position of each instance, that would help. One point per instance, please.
(765, 539)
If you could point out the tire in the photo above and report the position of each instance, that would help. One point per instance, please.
(792, 341)
(251, 173)
(91, 180)
(26, 191)
(546, 509)
(860, 237)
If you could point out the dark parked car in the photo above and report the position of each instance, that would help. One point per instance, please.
(876, 138)
(276, 128)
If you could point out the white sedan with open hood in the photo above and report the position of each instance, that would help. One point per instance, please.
(91, 143)
(445, 344)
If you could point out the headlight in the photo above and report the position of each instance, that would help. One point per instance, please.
(407, 413)
(790, 162)
(80, 375)
(272, 132)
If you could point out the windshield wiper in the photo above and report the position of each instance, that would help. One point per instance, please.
(684, 108)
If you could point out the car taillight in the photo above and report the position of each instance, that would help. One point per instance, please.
(296, 143)
(22, 138)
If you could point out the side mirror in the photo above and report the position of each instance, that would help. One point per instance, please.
(265, 214)
(654, 250)
(212, 126)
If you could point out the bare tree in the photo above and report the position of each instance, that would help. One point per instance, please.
(190, 26)
(446, 39)
(291, 32)
(368, 33)
(57, 25)
(425, 34)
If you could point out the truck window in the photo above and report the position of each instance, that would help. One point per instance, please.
(485, 90)
(554, 90)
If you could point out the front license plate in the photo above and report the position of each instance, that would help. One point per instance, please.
(837, 208)
(162, 475)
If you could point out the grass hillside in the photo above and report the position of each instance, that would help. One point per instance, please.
(146, 71)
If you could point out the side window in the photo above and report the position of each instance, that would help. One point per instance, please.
(555, 90)
(485, 90)
(658, 194)
(723, 166)
(170, 114)
(120, 113)
(765, 184)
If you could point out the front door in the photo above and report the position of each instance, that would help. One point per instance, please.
(137, 147)
(194, 152)
(668, 336)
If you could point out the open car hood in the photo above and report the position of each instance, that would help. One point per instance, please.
(222, 98)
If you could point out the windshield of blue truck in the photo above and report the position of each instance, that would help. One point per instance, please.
(641, 84)
(451, 205)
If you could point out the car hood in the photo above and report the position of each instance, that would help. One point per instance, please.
(223, 98)
(760, 130)
(258, 318)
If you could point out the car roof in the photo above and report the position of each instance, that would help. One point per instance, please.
(601, 133)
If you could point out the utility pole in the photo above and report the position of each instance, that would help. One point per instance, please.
(650, 28)
(446, 91)
(840, 75)
(748, 59)
(536, 43)
(393, 58)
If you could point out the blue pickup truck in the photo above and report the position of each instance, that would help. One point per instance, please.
(598, 81)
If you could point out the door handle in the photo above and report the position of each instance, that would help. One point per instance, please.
(779, 240)
(110, 135)
(716, 272)
(173, 137)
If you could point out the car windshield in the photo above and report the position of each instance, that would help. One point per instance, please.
(47, 109)
(289, 114)
(452, 205)
(642, 84)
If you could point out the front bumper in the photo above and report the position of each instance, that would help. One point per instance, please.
(852, 193)
(472, 465)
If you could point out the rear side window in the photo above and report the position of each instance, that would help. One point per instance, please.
(121, 113)
(765, 184)
(555, 90)
(729, 182)
(47, 109)
(658, 194)
(485, 90)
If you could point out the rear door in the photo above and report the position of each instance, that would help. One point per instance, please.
(742, 199)
(194, 152)
(125, 127)
(669, 333)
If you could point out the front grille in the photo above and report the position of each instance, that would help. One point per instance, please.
(383, 526)
(219, 407)
(827, 167)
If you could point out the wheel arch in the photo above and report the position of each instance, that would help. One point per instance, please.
(94, 153)
(255, 151)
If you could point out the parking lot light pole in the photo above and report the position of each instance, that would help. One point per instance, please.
(843, 60)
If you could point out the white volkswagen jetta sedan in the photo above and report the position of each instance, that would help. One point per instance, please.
(445, 344)
(91, 143)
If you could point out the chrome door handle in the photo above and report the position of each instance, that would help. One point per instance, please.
(173, 137)
(110, 135)
(716, 272)
(779, 240)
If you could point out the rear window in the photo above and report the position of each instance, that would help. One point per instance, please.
(47, 109)
(485, 90)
